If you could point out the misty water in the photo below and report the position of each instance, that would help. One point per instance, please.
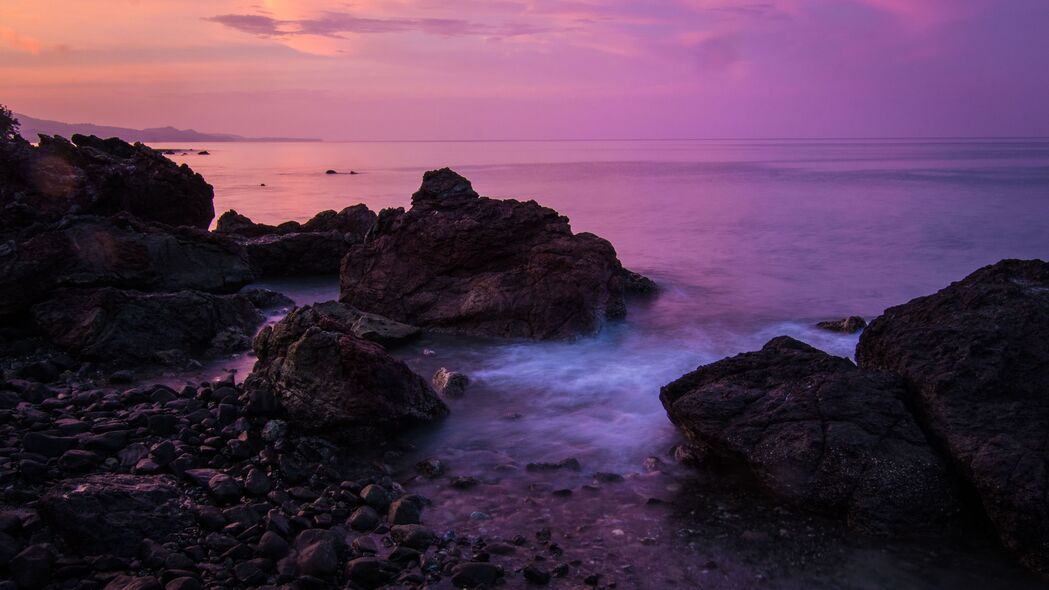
(748, 240)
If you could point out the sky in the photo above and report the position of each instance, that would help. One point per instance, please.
(534, 69)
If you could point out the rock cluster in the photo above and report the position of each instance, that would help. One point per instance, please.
(312, 248)
(463, 263)
(948, 401)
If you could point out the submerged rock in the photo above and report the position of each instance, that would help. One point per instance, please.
(463, 263)
(98, 176)
(849, 325)
(114, 326)
(450, 384)
(332, 381)
(817, 432)
(975, 358)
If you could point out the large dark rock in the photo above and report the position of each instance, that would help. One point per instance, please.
(332, 381)
(98, 176)
(121, 252)
(816, 432)
(111, 325)
(463, 263)
(291, 248)
(975, 357)
(114, 513)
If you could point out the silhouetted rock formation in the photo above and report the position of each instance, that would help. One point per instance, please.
(128, 327)
(311, 248)
(816, 432)
(975, 357)
(332, 381)
(849, 325)
(462, 263)
(116, 252)
(98, 176)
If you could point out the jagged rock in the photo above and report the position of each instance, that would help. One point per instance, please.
(119, 327)
(119, 252)
(114, 513)
(344, 319)
(98, 176)
(975, 358)
(311, 248)
(330, 380)
(450, 384)
(849, 325)
(462, 263)
(818, 433)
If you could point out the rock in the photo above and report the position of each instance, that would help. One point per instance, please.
(473, 574)
(116, 326)
(330, 172)
(47, 445)
(312, 248)
(83, 251)
(114, 513)
(447, 264)
(975, 360)
(536, 575)
(375, 496)
(450, 384)
(330, 381)
(183, 583)
(414, 536)
(406, 510)
(32, 568)
(637, 284)
(98, 176)
(371, 572)
(431, 467)
(818, 433)
(364, 519)
(267, 299)
(849, 325)
(122, 582)
(224, 488)
(257, 483)
(272, 546)
(315, 553)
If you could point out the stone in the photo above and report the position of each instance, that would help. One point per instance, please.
(117, 326)
(449, 384)
(224, 488)
(122, 582)
(113, 512)
(818, 433)
(316, 553)
(474, 574)
(849, 325)
(974, 359)
(370, 572)
(31, 569)
(364, 518)
(332, 382)
(414, 536)
(536, 575)
(406, 510)
(183, 583)
(272, 546)
(447, 264)
(47, 445)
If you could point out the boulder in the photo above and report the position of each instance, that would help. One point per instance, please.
(450, 384)
(849, 325)
(975, 359)
(122, 327)
(98, 176)
(462, 263)
(816, 432)
(331, 381)
(114, 513)
(90, 251)
(289, 249)
(342, 318)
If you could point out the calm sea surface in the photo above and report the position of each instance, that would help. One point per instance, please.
(750, 240)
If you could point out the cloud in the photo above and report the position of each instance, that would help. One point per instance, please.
(13, 40)
(338, 24)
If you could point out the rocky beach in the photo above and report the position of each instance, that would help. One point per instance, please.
(325, 467)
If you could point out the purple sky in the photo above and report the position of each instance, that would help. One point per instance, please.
(477, 69)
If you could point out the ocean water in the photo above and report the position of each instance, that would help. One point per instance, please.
(748, 239)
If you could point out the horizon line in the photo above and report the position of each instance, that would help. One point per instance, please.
(654, 139)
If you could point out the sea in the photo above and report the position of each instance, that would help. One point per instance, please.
(748, 240)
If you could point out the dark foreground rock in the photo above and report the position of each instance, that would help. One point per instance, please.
(119, 252)
(463, 263)
(330, 380)
(817, 432)
(975, 357)
(98, 176)
(115, 513)
(127, 327)
(311, 248)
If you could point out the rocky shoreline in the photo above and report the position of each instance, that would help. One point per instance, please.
(290, 478)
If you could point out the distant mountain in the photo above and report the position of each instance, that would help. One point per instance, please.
(32, 127)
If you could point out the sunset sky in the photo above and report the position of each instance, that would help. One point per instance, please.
(479, 69)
